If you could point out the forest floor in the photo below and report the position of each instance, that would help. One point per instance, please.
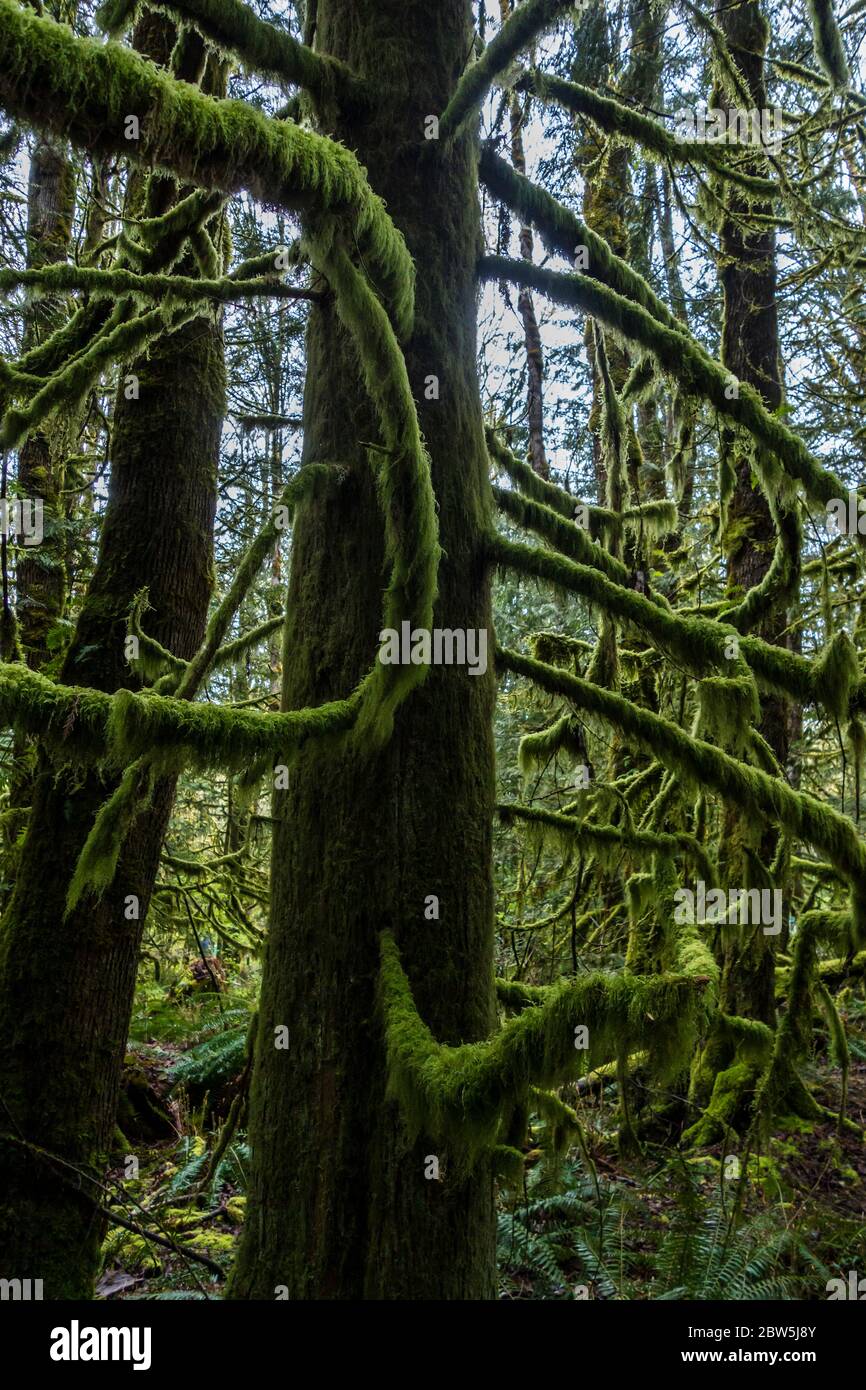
(664, 1223)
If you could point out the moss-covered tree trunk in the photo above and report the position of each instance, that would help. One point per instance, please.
(40, 576)
(66, 983)
(750, 351)
(341, 1204)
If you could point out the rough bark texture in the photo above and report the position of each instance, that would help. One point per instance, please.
(339, 1206)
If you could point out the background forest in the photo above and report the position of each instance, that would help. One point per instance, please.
(252, 881)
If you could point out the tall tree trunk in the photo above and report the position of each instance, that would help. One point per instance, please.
(66, 983)
(750, 351)
(41, 580)
(339, 1204)
(525, 302)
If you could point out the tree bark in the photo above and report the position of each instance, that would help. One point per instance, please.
(339, 1206)
(750, 351)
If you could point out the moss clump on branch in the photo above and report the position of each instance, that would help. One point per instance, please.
(262, 48)
(466, 1095)
(564, 735)
(525, 23)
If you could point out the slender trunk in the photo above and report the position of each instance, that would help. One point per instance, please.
(339, 1204)
(525, 301)
(41, 579)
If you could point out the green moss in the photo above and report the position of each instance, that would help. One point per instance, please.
(525, 23)
(466, 1095)
(681, 357)
(827, 40)
(85, 91)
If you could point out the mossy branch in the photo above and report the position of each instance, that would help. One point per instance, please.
(525, 24)
(311, 480)
(117, 281)
(698, 643)
(681, 357)
(609, 841)
(403, 483)
(563, 232)
(465, 1095)
(754, 792)
(81, 725)
(615, 118)
(262, 48)
(86, 91)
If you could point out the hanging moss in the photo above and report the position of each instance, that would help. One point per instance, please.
(261, 47)
(728, 709)
(728, 70)
(97, 863)
(706, 766)
(827, 40)
(70, 384)
(564, 735)
(464, 1095)
(154, 660)
(79, 724)
(682, 358)
(85, 91)
(608, 842)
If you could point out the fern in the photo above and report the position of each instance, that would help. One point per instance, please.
(216, 1059)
